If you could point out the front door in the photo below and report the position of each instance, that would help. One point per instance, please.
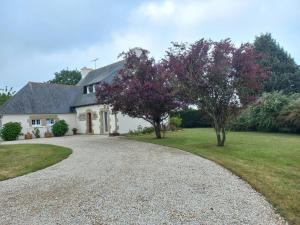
(89, 123)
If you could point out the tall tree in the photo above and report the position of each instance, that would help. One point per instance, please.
(142, 90)
(69, 77)
(284, 72)
(5, 94)
(215, 76)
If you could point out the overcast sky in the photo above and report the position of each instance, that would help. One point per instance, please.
(38, 38)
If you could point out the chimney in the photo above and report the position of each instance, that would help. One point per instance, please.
(85, 71)
(137, 51)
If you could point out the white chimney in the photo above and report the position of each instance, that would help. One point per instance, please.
(137, 51)
(85, 71)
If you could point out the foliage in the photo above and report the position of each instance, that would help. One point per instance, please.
(10, 131)
(274, 111)
(141, 90)
(217, 77)
(60, 128)
(36, 132)
(284, 72)
(192, 118)
(175, 122)
(289, 117)
(147, 130)
(5, 94)
(69, 77)
(267, 161)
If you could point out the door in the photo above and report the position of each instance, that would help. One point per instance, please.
(104, 120)
(89, 123)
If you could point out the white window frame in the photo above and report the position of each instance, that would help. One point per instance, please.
(35, 123)
(51, 122)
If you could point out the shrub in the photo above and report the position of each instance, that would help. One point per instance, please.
(148, 130)
(60, 128)
(193, 118)
(10, 131)
(36, 132)
(272, 112)
(175, 121)
(289, 117)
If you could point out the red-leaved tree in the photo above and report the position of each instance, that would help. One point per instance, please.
(142, 89)
(215, 76)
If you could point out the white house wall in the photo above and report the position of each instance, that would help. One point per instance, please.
(127, 123)
(25, 121)
(81, 118)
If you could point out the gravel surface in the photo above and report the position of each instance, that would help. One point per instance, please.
(117, 181)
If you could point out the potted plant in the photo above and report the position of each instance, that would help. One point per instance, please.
(74, 131)
(28, 136)
(48, 134)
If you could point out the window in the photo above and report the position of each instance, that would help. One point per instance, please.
(49, 122)
(35, 123)
(91, 88)
(85, 90)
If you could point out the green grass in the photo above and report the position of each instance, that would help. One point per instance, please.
(17, 160)
(269, 162)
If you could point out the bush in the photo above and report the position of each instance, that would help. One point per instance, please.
(175, 121)
(272, 112)
(289, 117)
(148, 130)
(60, 128)
(193, 118)
(36, 132)
(10, 131)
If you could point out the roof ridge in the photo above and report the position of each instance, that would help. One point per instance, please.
(51, 84)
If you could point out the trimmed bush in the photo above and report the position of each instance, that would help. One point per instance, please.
(60, 128)
(175, 122)
(10, 131)
(192, 118)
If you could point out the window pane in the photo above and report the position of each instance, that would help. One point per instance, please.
(38, 122)
(91, 89)
(33, 122)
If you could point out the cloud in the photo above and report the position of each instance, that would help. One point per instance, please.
(187, 13)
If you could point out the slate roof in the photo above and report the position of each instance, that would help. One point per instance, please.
(44, 98)
(106, 74)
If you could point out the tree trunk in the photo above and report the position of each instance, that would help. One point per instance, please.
(221, 135)
(157, 129)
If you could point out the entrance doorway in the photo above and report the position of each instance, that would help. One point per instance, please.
(104, 120)
(89, 123)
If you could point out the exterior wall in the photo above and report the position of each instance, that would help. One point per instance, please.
(81, 118)
(126, 123)
(25, 121)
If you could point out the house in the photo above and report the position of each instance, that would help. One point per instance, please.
(41, 104)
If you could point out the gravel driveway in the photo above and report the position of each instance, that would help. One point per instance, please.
(117, 181)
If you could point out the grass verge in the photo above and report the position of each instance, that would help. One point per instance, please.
(17, 160)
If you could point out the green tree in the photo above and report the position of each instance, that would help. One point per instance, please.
(5, 94)
(70, 77)
(284, 72)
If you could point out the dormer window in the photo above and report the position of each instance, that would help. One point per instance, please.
(91, 89)
(85, 90)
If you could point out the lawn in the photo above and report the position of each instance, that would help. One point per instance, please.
(269, 162)
(17, 160)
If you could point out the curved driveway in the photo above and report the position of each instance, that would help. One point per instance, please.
(118, 181)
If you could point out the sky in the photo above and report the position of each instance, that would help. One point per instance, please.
(39, 38)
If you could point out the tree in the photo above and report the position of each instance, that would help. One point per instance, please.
(69, 77)
(284, 72)
(5, 94)
(216, 77)
(142, 90)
